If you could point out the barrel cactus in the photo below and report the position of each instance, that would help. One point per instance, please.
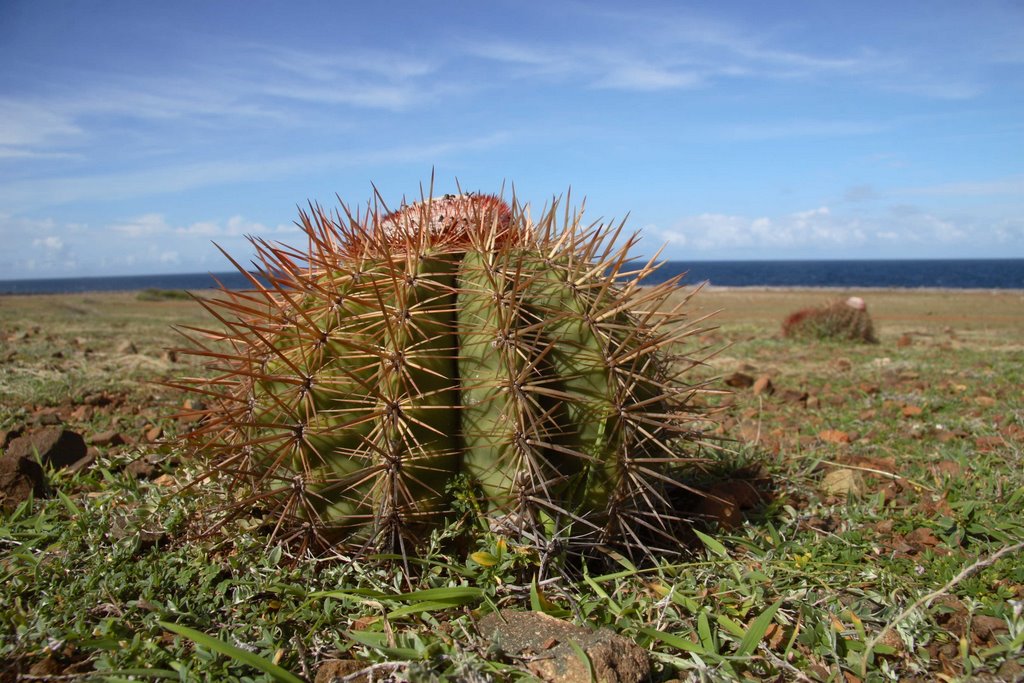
(454, 338)
(837, 320)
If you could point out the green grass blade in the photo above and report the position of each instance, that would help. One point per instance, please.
(707, 638)
(678, 642)
(757, 630)
(711, 544)
(248, 658)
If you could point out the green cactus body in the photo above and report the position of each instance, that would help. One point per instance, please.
(454, 336)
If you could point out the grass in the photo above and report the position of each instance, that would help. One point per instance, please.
(884, 542)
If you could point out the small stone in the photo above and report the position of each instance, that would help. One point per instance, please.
(904, 341)
(984, 628)
(763, 385)
(612, 658)
(912, 411)
(842, 483)
(107, 439)
(834, 436)
(142, 468)
(48, 419)
(739, 380)
(82, 413)
(336, 670)
(56, 447)
(794, 396)
(98, 400)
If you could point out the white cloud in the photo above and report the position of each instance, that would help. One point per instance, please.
(24, 196)
(154, 224)
(647, 77)
(147, 225)
(823, 233)
(52, 243)
(27, 124)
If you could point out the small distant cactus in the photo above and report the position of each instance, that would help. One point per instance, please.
(841, 320)
(454, 337)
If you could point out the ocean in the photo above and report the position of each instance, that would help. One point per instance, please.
(937, 273)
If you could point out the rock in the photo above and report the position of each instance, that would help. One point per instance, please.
(85, 463)
(127, 347)
(904, 341)
(143, 468)
(834, 436)
(19, 478)
(337, 670)
(47, 418)
(739, 380)
(794, 396)
(107, 439)
(99, 400)
(57, 447)
(842, 483)
(985, 628)
(763, 385)
(9, 435)
(545, 643)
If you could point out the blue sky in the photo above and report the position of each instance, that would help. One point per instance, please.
(132, 135)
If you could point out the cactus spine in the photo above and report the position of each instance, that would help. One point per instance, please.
(360, 375)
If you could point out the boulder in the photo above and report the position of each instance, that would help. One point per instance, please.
(56, 447)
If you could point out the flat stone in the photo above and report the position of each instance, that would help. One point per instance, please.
(142, 468)
(739, 380)
(843, 483)
(111, 437)
(546, 645)
(763, 385)
(338, 670)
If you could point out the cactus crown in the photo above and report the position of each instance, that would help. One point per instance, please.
(454, 337)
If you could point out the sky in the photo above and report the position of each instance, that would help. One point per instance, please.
(134, 135)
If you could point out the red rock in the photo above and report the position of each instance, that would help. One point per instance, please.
(834, 436)
(904, 341)
(19, 478)
(142, 468)
(763, 385)
(108, 438)
(739, 380)
(56, 447)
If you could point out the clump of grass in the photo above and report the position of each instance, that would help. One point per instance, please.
(155, 294)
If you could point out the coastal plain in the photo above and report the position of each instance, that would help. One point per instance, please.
(865, 497)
